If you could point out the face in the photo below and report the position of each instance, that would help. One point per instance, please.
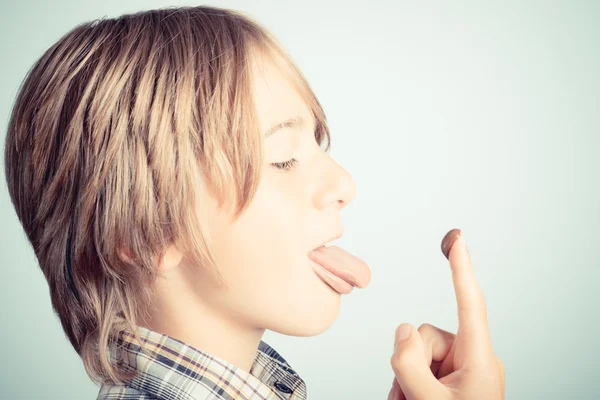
(263, 254)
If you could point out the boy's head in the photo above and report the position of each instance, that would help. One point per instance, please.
(137, 161)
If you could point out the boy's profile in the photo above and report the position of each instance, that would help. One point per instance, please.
(168, 169)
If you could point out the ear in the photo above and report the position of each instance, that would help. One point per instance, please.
(125, 255)
(171, 259)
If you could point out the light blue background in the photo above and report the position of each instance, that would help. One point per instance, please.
(484, 116)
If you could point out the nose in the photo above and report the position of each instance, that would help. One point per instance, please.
(336, 185)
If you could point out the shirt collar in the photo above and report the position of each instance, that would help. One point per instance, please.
(168, 368)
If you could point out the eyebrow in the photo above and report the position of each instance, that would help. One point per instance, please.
(289, 123)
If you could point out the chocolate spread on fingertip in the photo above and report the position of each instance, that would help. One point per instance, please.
(449, 240)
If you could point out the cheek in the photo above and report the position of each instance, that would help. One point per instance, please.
(266, 248)
(272, 285)
(273, 226)
(263, 256)
(266, 243)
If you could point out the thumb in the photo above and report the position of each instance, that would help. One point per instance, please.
(411, 367)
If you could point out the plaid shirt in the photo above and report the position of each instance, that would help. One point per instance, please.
(170, 369)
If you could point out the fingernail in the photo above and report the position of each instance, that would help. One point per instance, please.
(402, 332)
(448, 241)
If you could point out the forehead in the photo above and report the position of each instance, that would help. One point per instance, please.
(275, 97)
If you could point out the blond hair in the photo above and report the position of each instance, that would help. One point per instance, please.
(110, 130)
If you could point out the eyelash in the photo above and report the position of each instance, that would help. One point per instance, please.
(286, 165)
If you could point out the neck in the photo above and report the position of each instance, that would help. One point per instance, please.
(180, 313)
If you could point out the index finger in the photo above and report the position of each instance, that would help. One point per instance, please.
(472, 315)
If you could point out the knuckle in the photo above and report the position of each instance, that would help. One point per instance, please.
(481, 302)
(399, 361)
(394, 361)
(427, 332)
(478, 307)
(500, 364)
(481, 312)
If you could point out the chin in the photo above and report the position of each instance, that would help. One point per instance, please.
(309, 321)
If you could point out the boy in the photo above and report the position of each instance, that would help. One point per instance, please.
(167, 168)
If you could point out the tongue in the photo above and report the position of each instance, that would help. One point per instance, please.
(342, 264)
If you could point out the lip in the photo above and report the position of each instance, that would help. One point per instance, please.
(339, 235)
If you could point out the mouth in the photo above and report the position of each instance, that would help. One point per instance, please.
(329, 242)
(337, 267)
(333, 281)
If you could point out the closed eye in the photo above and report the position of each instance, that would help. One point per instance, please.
(286, 165)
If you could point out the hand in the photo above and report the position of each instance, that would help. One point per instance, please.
(434, 364)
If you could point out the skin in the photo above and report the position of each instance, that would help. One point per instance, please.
(263, 254)
(435, 364)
